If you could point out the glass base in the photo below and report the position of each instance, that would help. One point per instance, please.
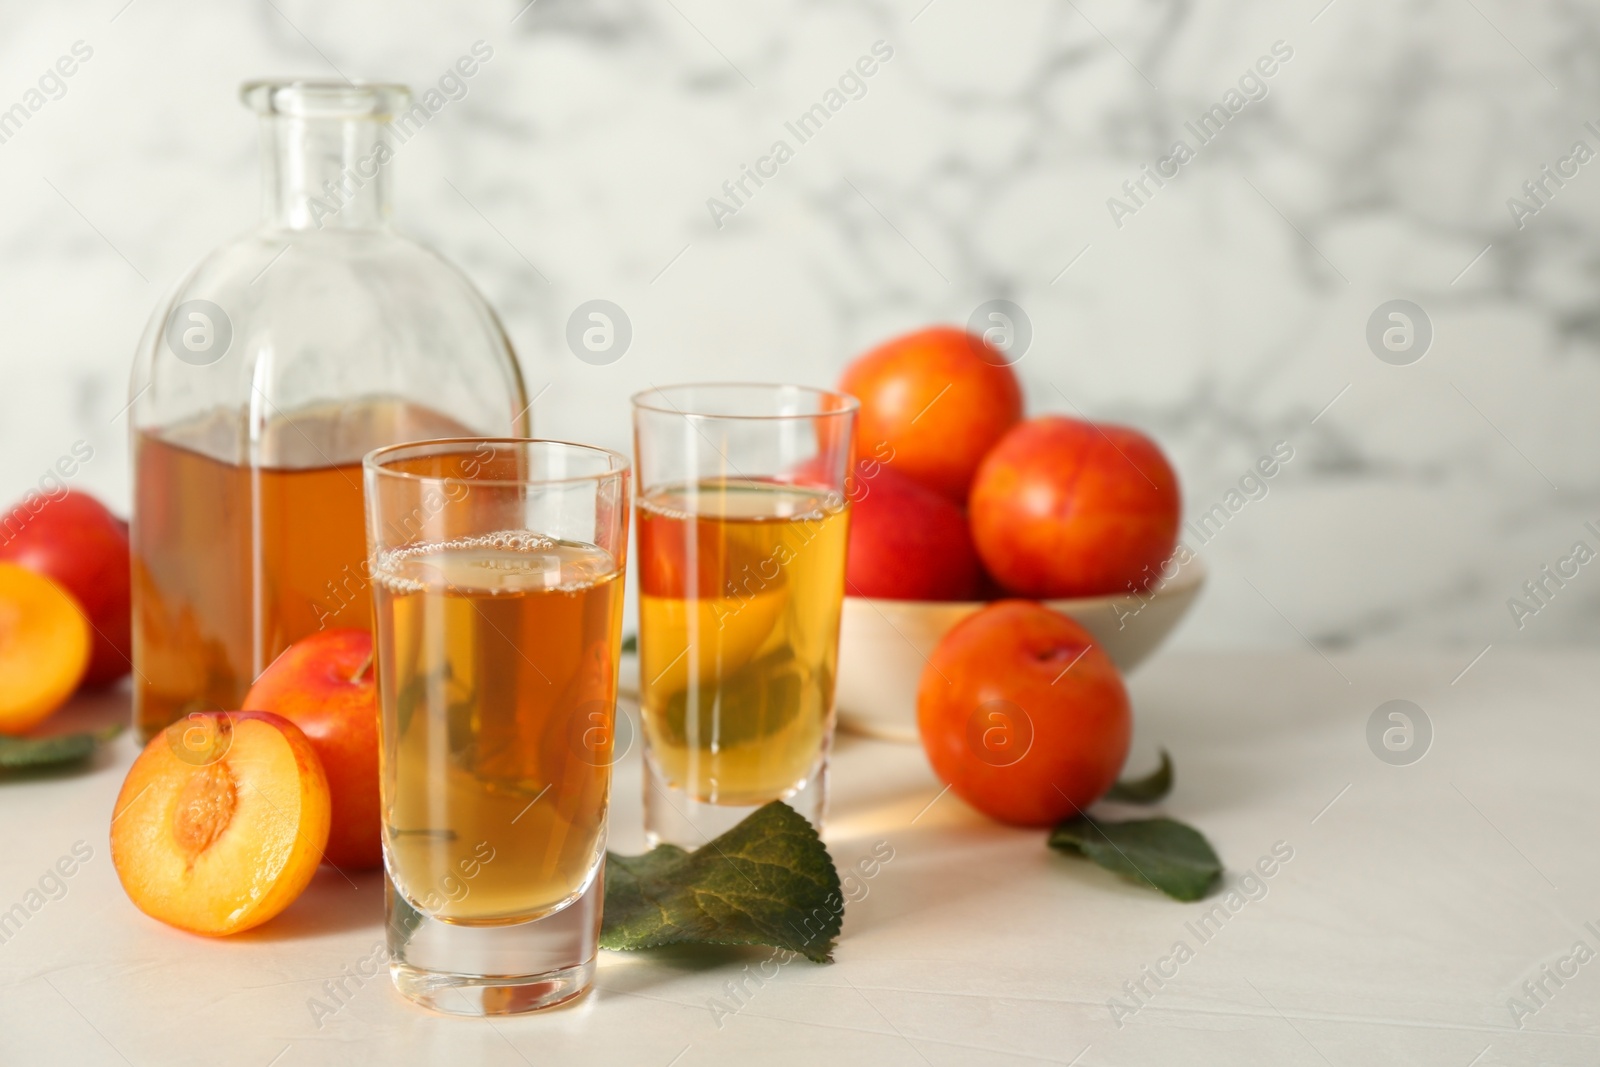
(495, 970)
(673, 817)
(462, 994)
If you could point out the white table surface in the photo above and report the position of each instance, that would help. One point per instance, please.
(1413, 908)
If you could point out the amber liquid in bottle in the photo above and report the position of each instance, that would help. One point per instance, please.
(741, 585)
(497, 679)
(233, 563)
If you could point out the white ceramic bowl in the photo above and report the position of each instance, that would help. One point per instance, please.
(885, 644)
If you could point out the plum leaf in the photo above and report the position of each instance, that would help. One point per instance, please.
(1147, 790)
(768, 881)
(1162, 853)
(37, 753)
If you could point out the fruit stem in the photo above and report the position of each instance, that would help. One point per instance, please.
(365, 668)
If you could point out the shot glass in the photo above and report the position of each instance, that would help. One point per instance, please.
(497, 576)
(742, 524)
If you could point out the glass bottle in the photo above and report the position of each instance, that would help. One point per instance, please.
(278, 362)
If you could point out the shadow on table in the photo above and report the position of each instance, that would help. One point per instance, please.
(90, 711)
(334, 903)
(945, 856)
(1218, 713)
(636, 973)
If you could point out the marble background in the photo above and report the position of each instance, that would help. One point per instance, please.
(1226, 313)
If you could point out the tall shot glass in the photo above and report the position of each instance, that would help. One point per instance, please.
(742, 524)
(497, 576)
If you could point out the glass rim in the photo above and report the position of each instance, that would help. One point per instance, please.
(373, 462)
(848, 405)
(313, 98)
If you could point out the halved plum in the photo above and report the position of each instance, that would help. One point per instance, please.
(221, 822)
(44, 648)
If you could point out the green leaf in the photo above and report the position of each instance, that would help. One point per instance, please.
(35, 753)
(747, 705)
(768, 881)
(630, 643)
(1146, 790)
(1163, 853)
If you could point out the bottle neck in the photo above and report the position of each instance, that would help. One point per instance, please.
(324, 173)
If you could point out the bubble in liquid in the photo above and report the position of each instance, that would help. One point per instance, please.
(564, 567)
